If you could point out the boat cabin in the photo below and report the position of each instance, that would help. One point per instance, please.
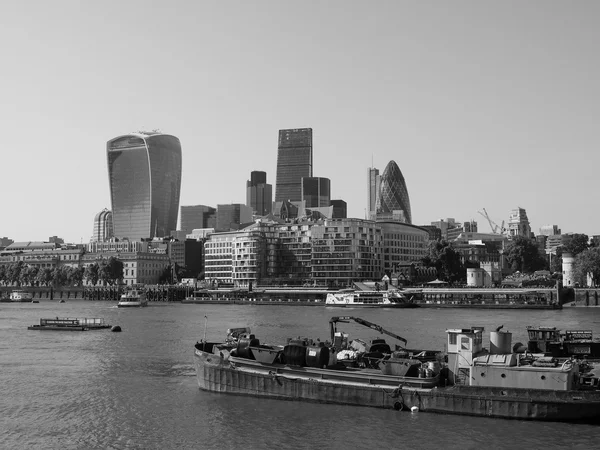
(469, 363)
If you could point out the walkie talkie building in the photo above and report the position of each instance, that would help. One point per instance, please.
(144, 172)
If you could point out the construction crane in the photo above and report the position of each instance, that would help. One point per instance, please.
(493, 225)
(366, 323)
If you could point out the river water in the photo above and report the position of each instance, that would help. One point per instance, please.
(137, 389)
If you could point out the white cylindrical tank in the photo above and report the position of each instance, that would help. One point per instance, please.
(500, 342)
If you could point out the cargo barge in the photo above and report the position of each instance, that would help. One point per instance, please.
(69, 324)
(471, 381)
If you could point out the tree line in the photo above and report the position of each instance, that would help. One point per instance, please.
(108, 271)
(522, 255)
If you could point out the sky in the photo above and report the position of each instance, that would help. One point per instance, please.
(482, 104)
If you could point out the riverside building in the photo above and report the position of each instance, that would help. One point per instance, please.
(144, 172)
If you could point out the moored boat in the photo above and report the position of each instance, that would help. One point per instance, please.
(551, 341)
(351, 297)
(70, 324)
(474, 381)
(21, 296)
(133, 297)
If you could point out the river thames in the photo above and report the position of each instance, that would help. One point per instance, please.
(137, 389)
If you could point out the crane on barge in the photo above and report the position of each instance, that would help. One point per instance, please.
(346, 319)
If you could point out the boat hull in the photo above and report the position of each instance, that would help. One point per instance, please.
(223, 374)
(379, 305)
(135, 304)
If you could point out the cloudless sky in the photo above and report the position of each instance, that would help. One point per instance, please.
(483, 104)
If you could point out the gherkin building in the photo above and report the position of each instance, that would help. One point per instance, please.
(393, 195)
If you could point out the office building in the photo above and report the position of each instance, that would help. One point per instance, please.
(393, 202)
(259, 194)
(549, 230)
(340, 209)
(373, 191)
(103, 226)
(294, 161)
(197, 216)
(230, 217)
(144, 171)
(518, 223)
(316, 192)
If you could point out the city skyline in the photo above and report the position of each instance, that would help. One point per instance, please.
(476, 102)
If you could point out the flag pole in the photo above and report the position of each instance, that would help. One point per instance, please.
(204, 339)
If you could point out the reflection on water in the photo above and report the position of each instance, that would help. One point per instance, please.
(137, 389)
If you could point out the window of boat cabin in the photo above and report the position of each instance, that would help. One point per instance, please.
(452, 338)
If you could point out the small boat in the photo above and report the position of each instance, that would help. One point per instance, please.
(70, 324)
(21, 296)
(35, 301)
(552, 342)
(369, 299)
(471, 380)
(134, 297)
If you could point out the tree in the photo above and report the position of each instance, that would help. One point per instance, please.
(28, 275)
(446, 261)
(110, 271)
(77, 276)
(556, 260)
(13, 273)
(523, 255)
(3, 274)
(92, 273)
(44, 276)
(60, 276)
(115, 269)
(587, 262)
(577, 244)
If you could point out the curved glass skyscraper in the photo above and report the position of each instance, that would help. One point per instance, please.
(144, 172)
(393, 201)
(103, 226)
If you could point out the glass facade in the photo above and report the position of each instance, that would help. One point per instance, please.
(197, 216)
(316, 192)
(346, 250)
(103, 226)
(294, 161)
(259, 194)
(393, 195)
(144, 173)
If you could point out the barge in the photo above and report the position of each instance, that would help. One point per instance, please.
(353, 298)
(471, 380)
(70, 324)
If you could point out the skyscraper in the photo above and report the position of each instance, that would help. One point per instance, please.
(316, 192)
(393, 201)
(259, 194)
(294, 161)
(340, 209)
(230, 217)
(103, 226)
(197, 216)
(373, 184)
(144, 173)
